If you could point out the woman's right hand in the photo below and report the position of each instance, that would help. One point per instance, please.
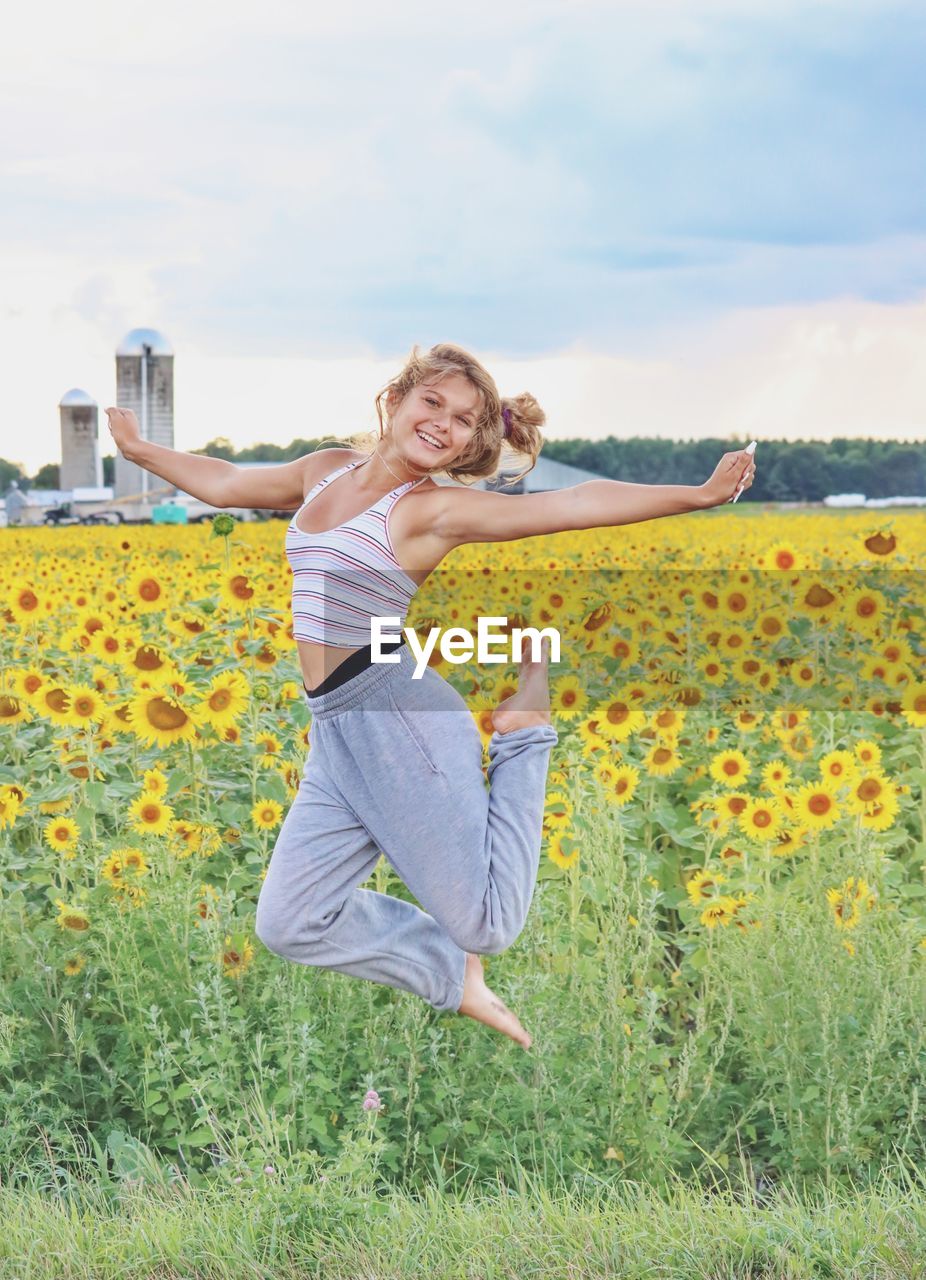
(124, 429)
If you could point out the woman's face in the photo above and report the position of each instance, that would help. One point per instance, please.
(445, 412)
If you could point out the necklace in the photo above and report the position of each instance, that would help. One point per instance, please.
(387, 466)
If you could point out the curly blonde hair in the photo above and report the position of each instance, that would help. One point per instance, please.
(481, 456)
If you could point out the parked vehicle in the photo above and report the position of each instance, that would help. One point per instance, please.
(61, 515)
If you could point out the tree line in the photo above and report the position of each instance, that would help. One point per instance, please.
(789, 471)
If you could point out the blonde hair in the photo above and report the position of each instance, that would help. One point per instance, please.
(481, 456)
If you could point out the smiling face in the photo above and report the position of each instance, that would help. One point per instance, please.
(436, 421)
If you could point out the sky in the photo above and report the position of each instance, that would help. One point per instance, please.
(661, 218)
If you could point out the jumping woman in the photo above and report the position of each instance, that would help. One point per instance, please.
(395, 763)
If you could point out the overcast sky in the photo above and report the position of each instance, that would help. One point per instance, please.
(662, 218)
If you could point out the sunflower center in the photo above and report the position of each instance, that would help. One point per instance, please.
(164, 715)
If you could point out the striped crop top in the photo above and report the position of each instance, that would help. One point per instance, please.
(343, 577)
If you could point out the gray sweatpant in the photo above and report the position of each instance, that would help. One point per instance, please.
(395, 766)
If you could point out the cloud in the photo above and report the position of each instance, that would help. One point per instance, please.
(295, 181)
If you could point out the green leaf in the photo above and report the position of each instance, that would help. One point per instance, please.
(95, 792)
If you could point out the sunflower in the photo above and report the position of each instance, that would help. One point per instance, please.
(789, 717)
(721, 911)
(146, 591)
(86, 706)
(623, 784)
(730, 768)
(661, 760)
(776, 775)
(562, 849)
(798, 744)
(870, 791)
(61, 834)
(149, 814)
(236, 955)
(747, 720)
(668, 722)
(122, 868)
(53, 702)
(734, 641)
(568, 698)
(207, 908)
(770, 626)
(558, 812)
(712, 670)
(266, 814)
(617, 718)
(150, 664)
(74, 964)
(160, 719)
(817, 600)
(815, 806)
(24, 682)
(740, 902)
(625, 651)
(27, 605)
(895, 651)
(730, 807)
(880, 816)
(737, 603)
(702, 885)
(268, 747)
(848, 901)
(10, 806)
(868, 753)
(71, 917)
(186, 838)
(707, 602)
(481, 707)
(105, 643)
(238, 592)
(914, 705)
(154, 782)
(864, 610)
(839, 767)
(804, 674)
(789, 841)
(783, 556)
(881, 543)
(13, 709)
(761, 820)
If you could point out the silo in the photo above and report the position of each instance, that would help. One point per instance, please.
(145, 384)
(80, 441)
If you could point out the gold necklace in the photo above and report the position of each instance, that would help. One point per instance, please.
(387, 466)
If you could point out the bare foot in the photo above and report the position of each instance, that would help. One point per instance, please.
(483, 1005)
(531, 704)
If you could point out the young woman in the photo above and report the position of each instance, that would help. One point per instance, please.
(395, 763)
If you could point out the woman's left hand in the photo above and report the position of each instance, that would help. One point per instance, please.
(732, 471)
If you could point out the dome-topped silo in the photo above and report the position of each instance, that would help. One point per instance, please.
(80, 441)
(145, 384)
(136, 340)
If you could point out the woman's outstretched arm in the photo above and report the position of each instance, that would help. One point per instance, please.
(469, 515)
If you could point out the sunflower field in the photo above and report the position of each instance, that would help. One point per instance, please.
(725, 958)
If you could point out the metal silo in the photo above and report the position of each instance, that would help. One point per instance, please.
(80, 441)
(145, 383)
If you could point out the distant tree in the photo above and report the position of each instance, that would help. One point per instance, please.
(220, 447)
(47, 477)
(109, 470)
(10, 471)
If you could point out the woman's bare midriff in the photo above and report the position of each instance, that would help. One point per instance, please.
(318, 661)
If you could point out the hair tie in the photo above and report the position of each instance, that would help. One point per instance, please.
(506, 414)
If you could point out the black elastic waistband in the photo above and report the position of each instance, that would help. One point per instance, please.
(352, 665)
